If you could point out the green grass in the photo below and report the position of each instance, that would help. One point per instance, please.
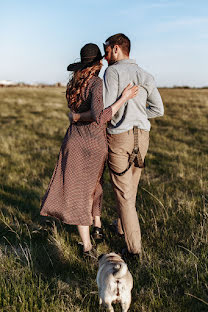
(41, 268)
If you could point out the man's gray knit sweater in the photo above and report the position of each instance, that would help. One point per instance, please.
(136, 112)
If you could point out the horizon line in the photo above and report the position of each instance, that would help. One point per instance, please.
(10, 83)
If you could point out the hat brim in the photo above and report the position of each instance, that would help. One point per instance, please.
(80, 66)
(75, 66)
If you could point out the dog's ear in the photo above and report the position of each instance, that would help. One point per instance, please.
(100, 256)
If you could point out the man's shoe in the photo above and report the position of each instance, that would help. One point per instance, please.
(114, 228)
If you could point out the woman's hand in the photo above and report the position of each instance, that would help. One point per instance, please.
(85, 117)
(73, 117)
(130, 92)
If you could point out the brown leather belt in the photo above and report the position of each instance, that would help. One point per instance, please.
(135, 156)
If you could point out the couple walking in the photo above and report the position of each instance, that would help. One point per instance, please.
(125, 100)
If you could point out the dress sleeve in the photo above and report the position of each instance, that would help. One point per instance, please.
(99, 114)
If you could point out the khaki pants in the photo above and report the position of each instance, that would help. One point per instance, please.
(125, 187)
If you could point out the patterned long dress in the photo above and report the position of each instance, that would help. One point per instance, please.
(74, 194)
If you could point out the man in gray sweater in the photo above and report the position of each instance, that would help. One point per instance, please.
(128, 132)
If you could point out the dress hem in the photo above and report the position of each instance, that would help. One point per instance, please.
(68, 222)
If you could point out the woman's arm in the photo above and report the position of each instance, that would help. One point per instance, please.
(95, 114)
(128, 93)
(85, 116)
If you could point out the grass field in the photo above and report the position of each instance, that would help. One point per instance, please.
(41, 268)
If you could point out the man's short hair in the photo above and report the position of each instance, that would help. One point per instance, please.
(121, 40)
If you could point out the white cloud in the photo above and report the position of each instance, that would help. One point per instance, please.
(189, 21)
(204, 36)
(162, 4)
(138, 8)
(194, 23)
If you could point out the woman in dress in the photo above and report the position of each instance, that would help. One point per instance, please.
(74, 194)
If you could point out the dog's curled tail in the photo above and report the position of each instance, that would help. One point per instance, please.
(120, 270)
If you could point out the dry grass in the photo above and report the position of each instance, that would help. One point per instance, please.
(40, 264)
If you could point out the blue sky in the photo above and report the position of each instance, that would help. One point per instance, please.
(38, 39)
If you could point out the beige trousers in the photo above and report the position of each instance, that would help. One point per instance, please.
(125, 187)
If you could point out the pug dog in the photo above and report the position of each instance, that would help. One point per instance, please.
(114, 282)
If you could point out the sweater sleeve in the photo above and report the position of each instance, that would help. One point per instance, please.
(98, 113)
(155, 106)
(111, 83)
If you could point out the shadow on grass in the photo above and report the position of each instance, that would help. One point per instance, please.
(64, 275)
(21, 198)
(35, 236)
(41, 251)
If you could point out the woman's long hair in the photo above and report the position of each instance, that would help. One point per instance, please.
(77, 84)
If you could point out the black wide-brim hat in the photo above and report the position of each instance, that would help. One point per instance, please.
(89, 54)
